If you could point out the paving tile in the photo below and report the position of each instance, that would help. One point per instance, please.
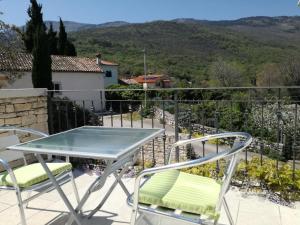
(3, 192)
(290, 216)
(251, 209)
(258, 211)
(4, 206)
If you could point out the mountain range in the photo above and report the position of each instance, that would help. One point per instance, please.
(185, 48)
(72, 26)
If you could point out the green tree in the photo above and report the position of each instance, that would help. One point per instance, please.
(62, 38)
(65, 46)
(36, 21)
(41, 63)
(10, 43)
(290, 72)
(70, 49)
(269, 75)
(52, 39)
(226, 74)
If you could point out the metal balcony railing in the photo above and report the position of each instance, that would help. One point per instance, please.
(270, 115)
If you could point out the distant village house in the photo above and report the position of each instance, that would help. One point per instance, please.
(68, 73)
(152, 81)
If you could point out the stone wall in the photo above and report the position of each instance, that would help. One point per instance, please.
(23, 108)
(159, 151)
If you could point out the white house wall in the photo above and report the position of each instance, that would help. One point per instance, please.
(114, 78)
(85, 82)
(72, 81)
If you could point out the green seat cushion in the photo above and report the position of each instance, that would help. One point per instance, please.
(157, 187)
(186, 192)
(33, 174)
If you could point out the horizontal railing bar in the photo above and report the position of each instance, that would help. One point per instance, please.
(189, 101)
(181, 89)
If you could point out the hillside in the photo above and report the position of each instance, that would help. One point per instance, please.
(71, 26)
(185, 48)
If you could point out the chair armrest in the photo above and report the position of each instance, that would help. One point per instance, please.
(197, 162)
(9, 170)
(23, 130)
(210, 137)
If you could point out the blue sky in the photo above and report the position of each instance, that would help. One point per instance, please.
(100, 11)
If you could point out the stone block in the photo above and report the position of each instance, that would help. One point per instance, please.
(2, 108)
(42, 118)
(23, 107)
(40, 126)
(25, 113)
(13, 121)
(28, 120)
(40, 111)
(8, 115)
(23, 100)
(40, 104)
(42, 99)
(9, 108)
(1, 122)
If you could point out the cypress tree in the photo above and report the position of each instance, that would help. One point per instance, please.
(70, 49)
(65, 46)
(41, 63)
(52, 40)
(36, 20)
(62, 38)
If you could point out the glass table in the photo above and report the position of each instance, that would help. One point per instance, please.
(117, 146)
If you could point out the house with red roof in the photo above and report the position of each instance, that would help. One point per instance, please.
(68, 73)
(154, 80)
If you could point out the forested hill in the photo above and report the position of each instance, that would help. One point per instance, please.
(186, 48)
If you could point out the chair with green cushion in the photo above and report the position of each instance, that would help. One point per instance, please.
(32, 177)
(169, 194)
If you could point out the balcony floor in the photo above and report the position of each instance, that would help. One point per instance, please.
(49, 209)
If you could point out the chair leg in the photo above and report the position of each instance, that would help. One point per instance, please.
(74, 187)
(133, 217)
(216, 221)
(21, 208)
(28, 196)
(231, 222)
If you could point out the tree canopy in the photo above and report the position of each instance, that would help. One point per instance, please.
(41, 63)
(52, 40)
(65, 46)
(35, 22)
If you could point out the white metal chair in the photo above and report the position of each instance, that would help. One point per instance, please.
(171, 195)
(29, 177)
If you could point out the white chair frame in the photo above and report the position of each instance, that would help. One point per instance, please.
(42, 187)
(140, 210)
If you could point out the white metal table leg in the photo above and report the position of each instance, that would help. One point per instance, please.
(100, 181)
(73, 213)
(112, 187)
(122, 184)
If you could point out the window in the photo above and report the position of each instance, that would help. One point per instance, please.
(57, 87)
(108, 73)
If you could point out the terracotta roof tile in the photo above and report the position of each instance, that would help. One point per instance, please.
(150, 79)
(129, 81)
(108, 63)
(23, 62)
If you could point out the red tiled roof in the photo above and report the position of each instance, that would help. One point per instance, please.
(23, 62)
(129, 81)
(150, 79)
(108, 63)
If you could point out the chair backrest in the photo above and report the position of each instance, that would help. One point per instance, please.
(230, 153)
(12, 139)
(9, 155)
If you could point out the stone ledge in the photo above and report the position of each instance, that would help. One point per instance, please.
(21, 93)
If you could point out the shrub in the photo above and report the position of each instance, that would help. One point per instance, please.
(278, 181)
